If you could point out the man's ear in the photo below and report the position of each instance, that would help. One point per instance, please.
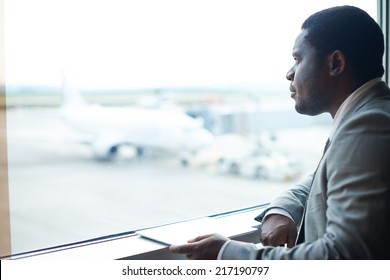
(336, 63)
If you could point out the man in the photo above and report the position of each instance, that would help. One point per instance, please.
(342, 210)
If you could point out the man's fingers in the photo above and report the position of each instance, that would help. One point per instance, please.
(181, 249)
(190, 247)
(291, 240)
(203, 247)
(199, 238)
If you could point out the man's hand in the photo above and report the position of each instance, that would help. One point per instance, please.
(204, 247)
(278, 230)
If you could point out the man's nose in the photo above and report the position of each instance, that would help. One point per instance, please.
(290, 74)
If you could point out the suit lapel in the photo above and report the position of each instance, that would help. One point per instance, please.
(301, 231)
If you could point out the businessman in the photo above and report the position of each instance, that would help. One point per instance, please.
(342, 210)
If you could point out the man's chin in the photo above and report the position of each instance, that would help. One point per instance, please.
(307, 111)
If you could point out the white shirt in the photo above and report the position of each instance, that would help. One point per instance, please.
(340, 114)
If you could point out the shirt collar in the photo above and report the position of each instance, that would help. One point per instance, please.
(350, 102)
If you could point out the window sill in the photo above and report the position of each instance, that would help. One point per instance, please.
(238, 225)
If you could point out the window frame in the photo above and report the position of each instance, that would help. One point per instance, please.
(383, 8)
(111, 247)
(5, 223)
(133, 246)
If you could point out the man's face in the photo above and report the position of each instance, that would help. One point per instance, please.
(309, 77)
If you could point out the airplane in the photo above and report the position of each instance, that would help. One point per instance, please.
(142, 128)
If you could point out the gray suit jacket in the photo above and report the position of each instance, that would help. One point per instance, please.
(346, 205)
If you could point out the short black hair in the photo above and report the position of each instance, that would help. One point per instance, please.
(352, 31)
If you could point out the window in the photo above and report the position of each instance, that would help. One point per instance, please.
(123, 115)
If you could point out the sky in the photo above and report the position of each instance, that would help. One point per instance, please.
(154, 43)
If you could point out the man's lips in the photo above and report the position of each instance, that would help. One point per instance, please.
(293, 91)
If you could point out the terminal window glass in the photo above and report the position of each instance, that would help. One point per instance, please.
(123, 115)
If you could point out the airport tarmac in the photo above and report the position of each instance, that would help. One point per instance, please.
(60, 194)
